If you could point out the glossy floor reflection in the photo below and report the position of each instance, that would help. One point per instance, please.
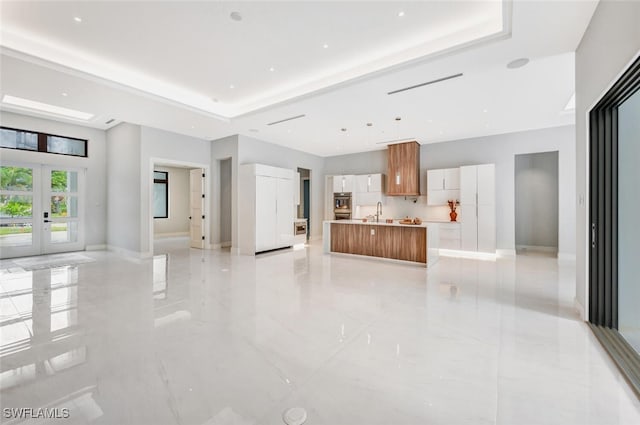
(204, 337)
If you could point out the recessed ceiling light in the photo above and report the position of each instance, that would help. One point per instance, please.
(193, 126)
(400, 14)
(429, 120)
(518, 63)
(253, 130)
(343, 129)
(441, 132)
(65, 94)
(46, 108)
(485, 110)
(272, 69)
(369, 124)
(231, 86)
(398, 118)
(236, 16)
(289, 131)
(325, 46)
(77, 19)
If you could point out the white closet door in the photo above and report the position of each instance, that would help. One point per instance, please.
(468, 185)
(468, 227)
(196, 208)
(486, 184)
(487, 228)
(284, 218)
(266, 213)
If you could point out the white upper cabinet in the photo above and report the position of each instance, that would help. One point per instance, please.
(443, 185)
(468, 185)
(452, 179)
(344, 183)
(435, 179)
(368, 189)
(368, 183)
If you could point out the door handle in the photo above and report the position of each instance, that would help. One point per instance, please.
(48, 221)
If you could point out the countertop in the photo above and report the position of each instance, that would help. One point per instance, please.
(299, 220)
(381, 223)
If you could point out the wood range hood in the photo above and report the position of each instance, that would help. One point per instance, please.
(403, 169)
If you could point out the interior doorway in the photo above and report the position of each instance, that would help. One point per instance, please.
(536, 203)
(178, 204)
(224, 198)
(304, 208)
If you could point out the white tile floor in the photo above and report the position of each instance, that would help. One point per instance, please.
(203, 337)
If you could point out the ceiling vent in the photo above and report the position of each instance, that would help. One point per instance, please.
(287, 119)
(426, 84)
(110, 121)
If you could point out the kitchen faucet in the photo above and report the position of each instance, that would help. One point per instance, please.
(378, 211)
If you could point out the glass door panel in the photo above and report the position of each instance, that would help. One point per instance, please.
(19, 232)
(628, 229)
(63, 206)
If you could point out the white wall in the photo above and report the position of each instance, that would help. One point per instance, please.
(536, 197)
(499, 150)
(178, 221)
(96, 165)
(609, 44)
(164, 147)
(629, 200)
(222, 150)
(123, 189)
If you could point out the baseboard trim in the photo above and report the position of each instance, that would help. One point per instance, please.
(538, 248)
(170, 235)
(99, 247)
(133, 255)
(506, 252)
(580, 308)
(471, 255)
(565, 258)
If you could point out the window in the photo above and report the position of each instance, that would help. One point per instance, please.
(160, 194)
(11, 138)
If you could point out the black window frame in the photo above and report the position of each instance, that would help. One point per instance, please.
(42, 142)
(603, 224)
(164, 181)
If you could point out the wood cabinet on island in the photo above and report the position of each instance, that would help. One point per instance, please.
(394, 241)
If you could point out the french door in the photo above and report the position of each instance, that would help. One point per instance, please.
(41, 209)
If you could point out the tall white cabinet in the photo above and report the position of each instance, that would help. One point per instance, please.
(266, 208)
(478, 208)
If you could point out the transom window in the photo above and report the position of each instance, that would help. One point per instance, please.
(11, 138)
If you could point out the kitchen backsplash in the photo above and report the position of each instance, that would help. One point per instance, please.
(398, 207)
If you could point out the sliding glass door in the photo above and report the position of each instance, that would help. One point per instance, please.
(614, 260)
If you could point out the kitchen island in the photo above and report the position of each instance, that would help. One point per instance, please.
(416, 243)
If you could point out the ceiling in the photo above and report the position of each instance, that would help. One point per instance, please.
(171, 65)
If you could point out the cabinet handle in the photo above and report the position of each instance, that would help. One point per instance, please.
(442, 184)
(593, 235)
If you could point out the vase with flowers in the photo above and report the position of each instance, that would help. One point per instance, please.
(452, 206)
